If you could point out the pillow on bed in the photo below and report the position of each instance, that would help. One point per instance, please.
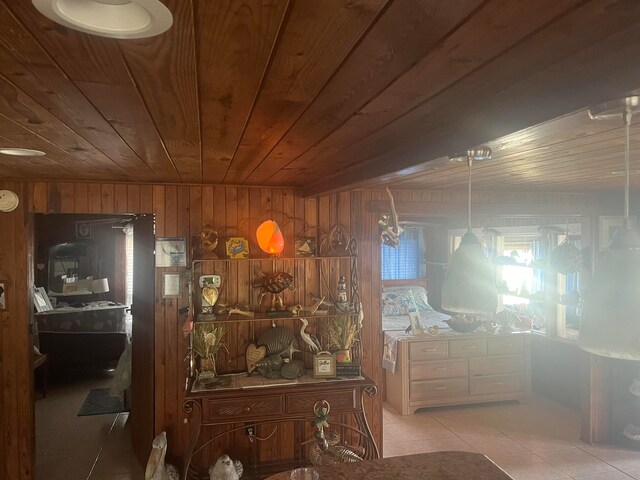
(419, 295)
(399, 302)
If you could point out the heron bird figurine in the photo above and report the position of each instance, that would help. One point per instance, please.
(311, 340)
(156, 468)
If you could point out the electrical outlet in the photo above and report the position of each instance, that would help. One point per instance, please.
(249, 431)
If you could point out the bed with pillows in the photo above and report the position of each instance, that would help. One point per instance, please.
(398, 300)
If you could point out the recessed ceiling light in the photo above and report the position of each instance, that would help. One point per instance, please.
(22, 152)
(109, 18)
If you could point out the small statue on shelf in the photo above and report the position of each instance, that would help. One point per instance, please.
(209, 238)
(273, 283)
(307, 310)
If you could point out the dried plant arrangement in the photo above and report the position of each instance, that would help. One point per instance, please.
(207, 342)
(342, 332)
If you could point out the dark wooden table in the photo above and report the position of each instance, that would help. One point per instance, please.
(432, 466)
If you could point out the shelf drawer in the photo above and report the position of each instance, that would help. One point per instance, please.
(344, 401)
(496, 384)
(426, 389)
(428, 351)
(505, 345)
(468, 347)
(496, 365)
(243, 408)
(444, 369)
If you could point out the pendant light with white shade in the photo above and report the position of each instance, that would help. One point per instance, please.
(609, 324)
(469, 286)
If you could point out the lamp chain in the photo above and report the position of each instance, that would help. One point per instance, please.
(626, 118)
(470, 163)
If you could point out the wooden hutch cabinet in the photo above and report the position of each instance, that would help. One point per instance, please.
(244, 405)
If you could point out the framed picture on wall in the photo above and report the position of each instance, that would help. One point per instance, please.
(41, 300)
(608, 226)
(171, 252)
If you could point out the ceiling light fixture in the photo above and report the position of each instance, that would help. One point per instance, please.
(21, 152)
(609, 324)
(109, 18)
(469, 284)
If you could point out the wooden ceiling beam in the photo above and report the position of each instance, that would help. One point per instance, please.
(485, 35)
(574, 62)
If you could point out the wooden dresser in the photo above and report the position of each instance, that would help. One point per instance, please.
(454, 369)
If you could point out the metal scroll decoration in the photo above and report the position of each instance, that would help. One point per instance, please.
(327, 449)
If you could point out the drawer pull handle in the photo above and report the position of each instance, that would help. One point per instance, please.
(440, 368)
(441, 387)
(430, 349)
(246, 409)
(470, 347)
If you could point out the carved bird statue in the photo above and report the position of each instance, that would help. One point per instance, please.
(311, 340)
(156, 468)
(225, 469)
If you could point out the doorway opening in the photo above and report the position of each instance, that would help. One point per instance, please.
(85, 330)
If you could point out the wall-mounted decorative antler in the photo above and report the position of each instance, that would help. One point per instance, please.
(389, 226)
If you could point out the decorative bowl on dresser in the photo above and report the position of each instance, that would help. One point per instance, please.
(459, 368)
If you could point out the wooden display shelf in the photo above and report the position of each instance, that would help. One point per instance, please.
(260, 259)
(261, 317)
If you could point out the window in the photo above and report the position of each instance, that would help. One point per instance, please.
(406, 260)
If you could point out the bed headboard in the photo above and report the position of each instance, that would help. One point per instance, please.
(421, 282)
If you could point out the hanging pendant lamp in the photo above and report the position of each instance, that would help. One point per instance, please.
(609, 325)
(469, 284)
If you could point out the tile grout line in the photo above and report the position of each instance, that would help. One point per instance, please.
(102, 447)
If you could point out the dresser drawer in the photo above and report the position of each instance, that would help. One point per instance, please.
(496, 384)
(428, 350)
(344, 401)
(505, 345)
(443, 369)
(467, 347)
(496, 365)
(243, 408)
(426, 389)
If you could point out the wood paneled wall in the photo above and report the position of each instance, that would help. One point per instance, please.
(181, 211)
(17, 440)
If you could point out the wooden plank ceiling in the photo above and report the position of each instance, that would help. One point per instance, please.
(322, 94)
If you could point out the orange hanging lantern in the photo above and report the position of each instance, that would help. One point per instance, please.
(270, 238)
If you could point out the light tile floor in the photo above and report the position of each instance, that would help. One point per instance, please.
(534, 441)
(79, 448)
